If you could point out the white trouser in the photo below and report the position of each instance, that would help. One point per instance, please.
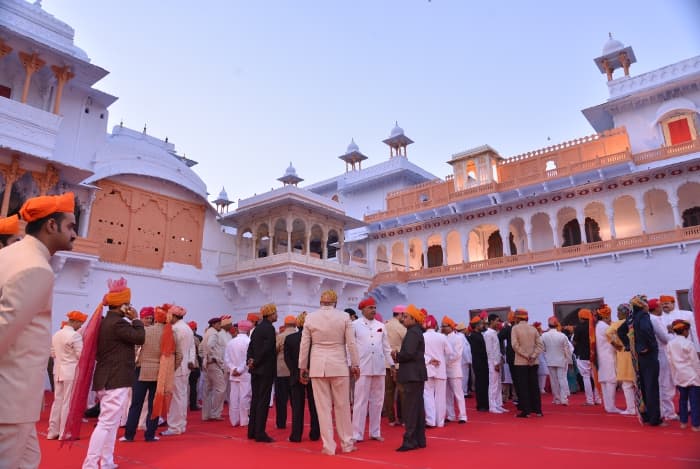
(434, 398)
(557, 379)
(19, 446)
(466, 371)
(628, 389)
(608, 389)
(204, 393)
(584, 367)
(454, 393)
(495, 389)
(369, 398)
(667, 391)
(177, 414)
(239, 401)
(216, 384)
(59, 409)
(101, 449)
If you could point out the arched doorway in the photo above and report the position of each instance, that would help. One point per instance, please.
(691, 217)
(571, 232)
(495, 245)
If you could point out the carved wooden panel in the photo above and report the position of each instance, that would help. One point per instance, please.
(145, 229)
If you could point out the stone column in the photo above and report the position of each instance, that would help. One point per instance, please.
(63, 75)
(324, 246)
(31, 63)
(610, 212)
(424, 244)
(389, 256)
(639, 205)
(289, 240)
(581, 218)
(11, 174)
(677, 215)
(505, 239)
(85, 210)
(271, 241)
(555, 230)
(465, 248)
(339, 253)
(443, 246)
(407, 253)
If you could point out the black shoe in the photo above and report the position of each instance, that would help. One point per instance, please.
(265, 439)
(314, 438)
(462, 421)
(421, 445)
(522, 415)
(294, 440)
(402, 448)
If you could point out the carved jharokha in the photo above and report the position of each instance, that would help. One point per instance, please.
(141, 228)
(10, 173)
(47, 180)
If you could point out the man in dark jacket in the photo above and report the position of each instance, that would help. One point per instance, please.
(120, 331)
(262, 363)
(647, 350)
(299, 386)
(412, 375)
(480, 364)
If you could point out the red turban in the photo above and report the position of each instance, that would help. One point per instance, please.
(653, 304)
(160, 315)
(253, 317)
(9, 225)
(367, 302)
(77, 316)
(553, 321)
(43, 206)
(146, 311)
(430, 322)
(193, 325)
(484, 315)
(290, 320)
(118, 294)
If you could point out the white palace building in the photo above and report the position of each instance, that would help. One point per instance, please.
(595, 219)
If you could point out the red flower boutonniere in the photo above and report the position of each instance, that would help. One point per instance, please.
(379, 330)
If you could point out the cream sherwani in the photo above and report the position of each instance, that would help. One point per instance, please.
(493, 354)
(557, 351)
(26, 286)
(455, 392)
(327, 338)
(607, 375)
(177, 415)
(66, 347)
(375, 355)
(213, 402)
(240, 393)
(436, 348)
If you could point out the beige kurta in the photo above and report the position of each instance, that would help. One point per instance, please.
(624, 369)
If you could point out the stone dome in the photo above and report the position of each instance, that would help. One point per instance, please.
(290, 170)
(223, 195)
(352, 147)
(396, 130)
(612, 45)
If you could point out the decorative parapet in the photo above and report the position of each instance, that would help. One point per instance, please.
(626, 86)
(552, 255)
(26, 129)
(666, 152)
(277, 260)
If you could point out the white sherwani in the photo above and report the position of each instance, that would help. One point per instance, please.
(685, 365)
(240, 393)
(557, 351)
(66, 347)
(455, 393)
(436, 347)
(375, 356)
(607, 375)
(668, 318)
(667, 391)
(494, 357)
(177, 414)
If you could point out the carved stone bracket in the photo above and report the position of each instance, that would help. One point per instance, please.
(47, 180)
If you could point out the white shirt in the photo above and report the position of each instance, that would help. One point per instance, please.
(235, 357)
(372, 346)
(437, 347)
(454, 366)
(493, 346)
(66, 347)
(683, 361)
(467, 352)
(557, 348)
(184, 339)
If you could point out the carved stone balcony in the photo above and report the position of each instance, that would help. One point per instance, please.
(26, 129)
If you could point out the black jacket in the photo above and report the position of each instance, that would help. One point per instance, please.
(411, 357)
(478, 344)
(292, 343)
(262, 350)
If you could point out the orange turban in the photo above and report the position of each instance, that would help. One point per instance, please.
(253, 317)
(447, 321)
(77, 316)
(9, 225)
(511, 316)
(604, 312)
(160, 315)
(367, 302)
(290, 320)
(584, 313)
(680, 325)
(475, 320)
(43, 206)
(268, 309)
(415, 313)
(118, 294)
(667, 299)
(329, 296)
(521, 314)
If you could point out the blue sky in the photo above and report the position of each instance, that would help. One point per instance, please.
(245, 87)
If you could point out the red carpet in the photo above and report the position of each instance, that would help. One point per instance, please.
(572, 437)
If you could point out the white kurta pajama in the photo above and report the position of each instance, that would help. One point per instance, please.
(667, 391)
(455, 393)
(215, 377)
(436, 347)
(557, 351)
(66, 347)
(466, 364)
(375, 355)
(495, 359)
(607, 376)
(177, 415)
(240, 393)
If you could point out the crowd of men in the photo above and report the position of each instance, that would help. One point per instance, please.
(349, 369)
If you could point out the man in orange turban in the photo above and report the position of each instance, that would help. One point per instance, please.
(671, 312)
(67, 345)
(262, 362)
(114, 371)
(455, 393)
(557, 354)
(26, 289)
(9, 231)
(527, 346)
(412, 375)
(584, 344)
(395, 332)
(282, 396)
(327, 346)
(605, 354)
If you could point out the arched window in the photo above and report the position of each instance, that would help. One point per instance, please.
(572, 232)
(434, 256)
(495, 248)
(691, 217)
